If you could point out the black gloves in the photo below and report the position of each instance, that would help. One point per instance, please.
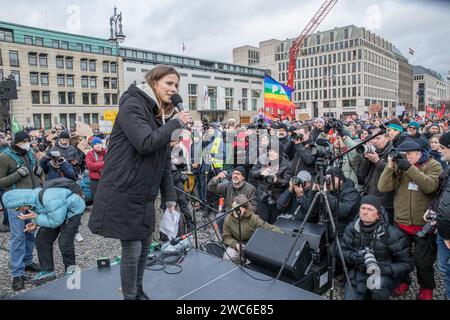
(403, 164)
(356, 258)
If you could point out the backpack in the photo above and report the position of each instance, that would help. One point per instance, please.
(61, 182)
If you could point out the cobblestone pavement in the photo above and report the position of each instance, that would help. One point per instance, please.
(94, 247)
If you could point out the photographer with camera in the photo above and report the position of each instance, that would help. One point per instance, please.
(298, 194)
(375, 159)
(272, 174)
(376, 253)
(303, 154)
(319, 128)
(413, 174)
(438, 215)
(55, 166)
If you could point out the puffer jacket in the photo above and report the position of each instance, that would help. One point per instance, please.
(409, 205)
(388, 244)
(58, 204)
(95, 164)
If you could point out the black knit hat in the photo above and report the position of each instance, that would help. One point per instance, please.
(409, 145)
(445, 140)
(373, 201)
(64, 135)
(21, 136)
(335, 171)
(241, 169)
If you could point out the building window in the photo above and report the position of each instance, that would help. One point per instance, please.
(46, 97)
(87, 118)
(44, 79)
(85, 82)
(79, 47)
(114, 98)
(39, 41)
(34, 78)
(60, 62)
(105, 67)
(60, 80)
(71, 98)
(13, 58)
(113, 67)
(64, 45)
(92, 65)
(113, 83)
(87, 48)
(72, 119)
(47, 121)
(32, 59)
(86, 98)
(6, 35)
(37, 121)
(107, 98)
(43, 60)
(35, 97)
(93, 82)
(83, 64)
(63, 119)
(70, 81)
(55, 44)
(93, 98)
(106, 84)
(108, 51)
(192, 89)
(95, 118)
(69, 63)
(62, 97)
(16, 75)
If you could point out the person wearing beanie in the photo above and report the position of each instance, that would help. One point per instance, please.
(413, 131)
(285, 144)
(319, 127)
(239, 226)
(396, 132)
(414, 179)
(20, 169)
(67, 151)
(441, 207)
(95, 163)
(391, 251)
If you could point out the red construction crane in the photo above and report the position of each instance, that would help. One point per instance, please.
(309, 30)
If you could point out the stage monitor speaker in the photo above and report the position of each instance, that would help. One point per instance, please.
(313, 232)
(8, 89)
(270, 249)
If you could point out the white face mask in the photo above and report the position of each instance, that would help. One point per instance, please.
(25, 146)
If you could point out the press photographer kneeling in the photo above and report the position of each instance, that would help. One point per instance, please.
(413, 174)
(376, 253)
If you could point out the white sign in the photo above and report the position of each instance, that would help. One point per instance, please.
(105, 126)
(399, 110)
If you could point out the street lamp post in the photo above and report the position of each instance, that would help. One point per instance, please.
(116, 37)
(240, 107)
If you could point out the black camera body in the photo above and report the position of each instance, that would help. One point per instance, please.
(428, 228)
(269, 179)
(397, 155)
(297, 136)
(267, 197)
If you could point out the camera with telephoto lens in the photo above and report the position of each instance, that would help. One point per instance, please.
(370, 261)
(429, 227)
(365, 149)
(397, 155)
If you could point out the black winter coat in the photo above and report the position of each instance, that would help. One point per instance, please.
(137, 165)
(370, 173)
(441, 205)
(303, 159)
(389, 245)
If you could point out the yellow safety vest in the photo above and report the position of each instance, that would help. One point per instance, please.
(216, 162)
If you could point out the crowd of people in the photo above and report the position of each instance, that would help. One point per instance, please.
(390, 197)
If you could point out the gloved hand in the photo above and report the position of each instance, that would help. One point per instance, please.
(23, 171)
(37, 170)
(403, 164)
(356, 258)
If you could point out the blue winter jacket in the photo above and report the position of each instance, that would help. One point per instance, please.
(58, 204)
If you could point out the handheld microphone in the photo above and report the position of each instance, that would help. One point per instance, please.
(176, 241)
(177, 101)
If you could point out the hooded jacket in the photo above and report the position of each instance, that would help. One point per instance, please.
(137, 166)
(58, 204)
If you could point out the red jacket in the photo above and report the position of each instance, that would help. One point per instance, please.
(95, 166)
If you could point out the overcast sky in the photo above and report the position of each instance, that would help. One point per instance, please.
(212, 28)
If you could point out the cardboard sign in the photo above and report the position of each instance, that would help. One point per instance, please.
(110, 115)
(83, 129)
(105, 126)
(84, 146)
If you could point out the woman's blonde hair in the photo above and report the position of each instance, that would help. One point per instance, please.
(153, 76)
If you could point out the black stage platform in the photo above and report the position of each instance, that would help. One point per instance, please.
(204, 277)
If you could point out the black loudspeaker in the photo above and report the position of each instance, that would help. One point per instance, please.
(8, 90)
(317, 280)
(313, 233)
(269, 250)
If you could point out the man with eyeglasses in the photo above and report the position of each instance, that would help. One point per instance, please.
(413, 131)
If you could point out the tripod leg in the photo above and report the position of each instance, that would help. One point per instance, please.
(338, 245)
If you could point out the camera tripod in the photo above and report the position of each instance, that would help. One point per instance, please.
(327, 218)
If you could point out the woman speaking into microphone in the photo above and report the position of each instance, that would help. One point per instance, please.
(137, 166)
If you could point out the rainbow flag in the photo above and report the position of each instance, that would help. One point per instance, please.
(277, 98)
